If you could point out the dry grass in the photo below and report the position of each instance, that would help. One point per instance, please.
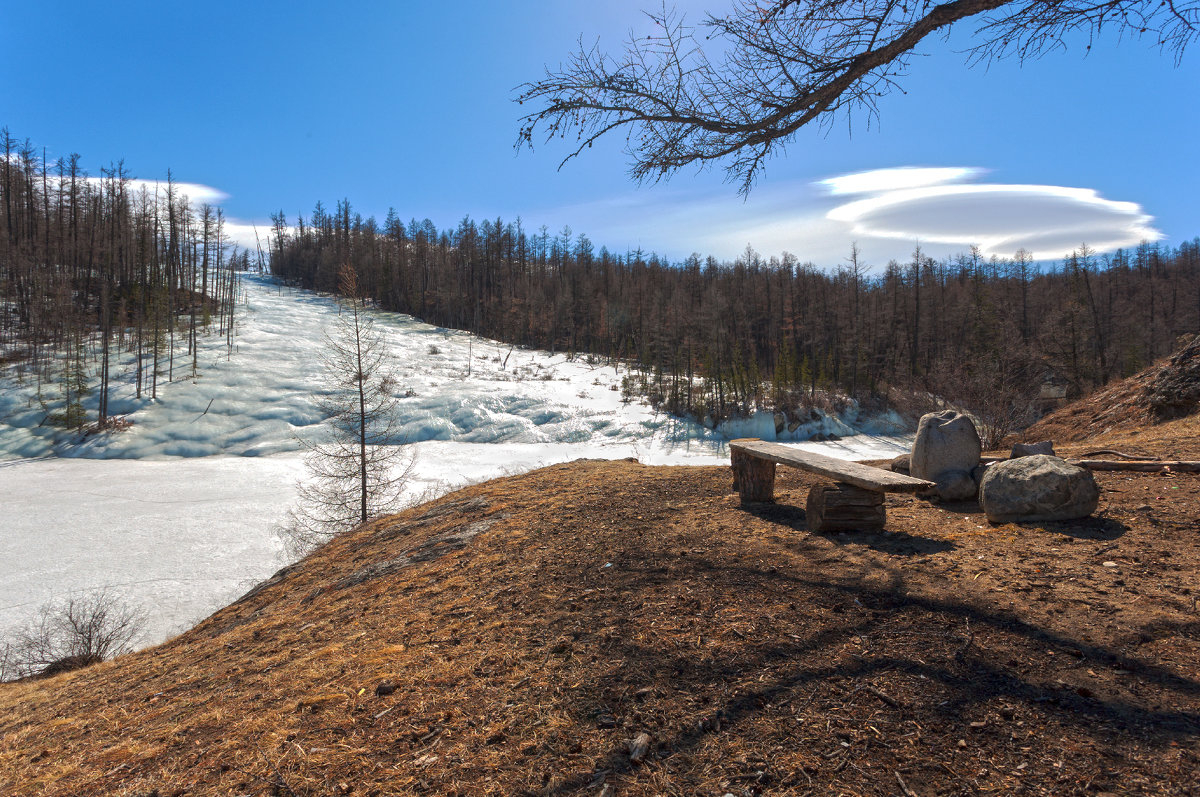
(533, 625)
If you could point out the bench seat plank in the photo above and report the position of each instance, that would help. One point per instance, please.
(864, 476)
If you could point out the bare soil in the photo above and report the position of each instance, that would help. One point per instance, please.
(514, 637)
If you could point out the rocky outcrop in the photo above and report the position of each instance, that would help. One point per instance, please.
(1037, 488)
(1175, 390)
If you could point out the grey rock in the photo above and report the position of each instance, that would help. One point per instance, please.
(1028, 449)
(1037, 488)
(955, 485)
(978, 472)
(945, 451)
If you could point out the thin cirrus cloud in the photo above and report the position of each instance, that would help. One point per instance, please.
(939, 206)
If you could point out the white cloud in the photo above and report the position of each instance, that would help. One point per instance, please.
(197, 193)
(892, 211)
(243, 233)
(240, 232)
(898, 178)
(1047, 220)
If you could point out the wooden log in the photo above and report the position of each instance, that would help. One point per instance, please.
(844, 507)
(1150, 466)
(753, 478)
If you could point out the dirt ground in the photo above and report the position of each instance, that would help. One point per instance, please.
(516, 637)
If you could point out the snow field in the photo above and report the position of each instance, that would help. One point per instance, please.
(176, 513)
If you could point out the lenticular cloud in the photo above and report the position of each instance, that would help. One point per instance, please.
(939, 205)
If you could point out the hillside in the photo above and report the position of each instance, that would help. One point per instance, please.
(513, 637)
(1168, 389)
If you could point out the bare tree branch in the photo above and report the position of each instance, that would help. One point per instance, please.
(789, 63)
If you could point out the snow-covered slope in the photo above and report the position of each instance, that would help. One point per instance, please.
(176, 512)
(257, 400)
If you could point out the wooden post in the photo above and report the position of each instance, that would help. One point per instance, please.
(843, 507)
(753, 478)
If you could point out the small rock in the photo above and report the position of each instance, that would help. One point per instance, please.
(384, 688)
(1029, 449)
(955, 485)
(606, 721)
(1110, 564)
(639, 746)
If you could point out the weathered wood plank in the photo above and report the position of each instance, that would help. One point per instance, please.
(854, 473)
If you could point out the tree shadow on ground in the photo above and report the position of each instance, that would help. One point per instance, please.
(895, 543)
(862, 646)
(1099, 529)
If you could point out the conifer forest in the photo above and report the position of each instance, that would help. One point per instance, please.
(714, 339)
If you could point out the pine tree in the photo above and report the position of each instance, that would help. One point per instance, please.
(361, 470)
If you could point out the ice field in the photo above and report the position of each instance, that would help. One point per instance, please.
(175, 514)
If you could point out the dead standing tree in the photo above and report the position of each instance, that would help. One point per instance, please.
(789, 63)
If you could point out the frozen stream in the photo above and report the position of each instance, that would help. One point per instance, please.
(176, 513)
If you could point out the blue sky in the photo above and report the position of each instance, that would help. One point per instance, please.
(405, 104)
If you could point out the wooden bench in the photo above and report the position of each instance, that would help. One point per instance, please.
(855, 501)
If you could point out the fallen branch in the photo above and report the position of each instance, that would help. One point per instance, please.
(904, 787)
(1110, 452)
(1150, 466)
(206, 409)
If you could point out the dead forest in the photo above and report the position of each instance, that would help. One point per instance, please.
(714, 339)
(93, 265)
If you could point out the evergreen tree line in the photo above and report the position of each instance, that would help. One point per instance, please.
(713, 338)
(91, 266)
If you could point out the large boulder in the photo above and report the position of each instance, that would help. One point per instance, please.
(945, 451)
(1037, 488)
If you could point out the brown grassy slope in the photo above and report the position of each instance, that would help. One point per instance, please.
(599, 600)
(1167, 390)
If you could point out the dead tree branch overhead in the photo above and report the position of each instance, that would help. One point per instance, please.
(777, 67)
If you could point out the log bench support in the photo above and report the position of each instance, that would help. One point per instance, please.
(753, 478)
(844, 507)
(854, 501)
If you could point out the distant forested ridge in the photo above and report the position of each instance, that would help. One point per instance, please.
(719, 338)
(94, 265)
